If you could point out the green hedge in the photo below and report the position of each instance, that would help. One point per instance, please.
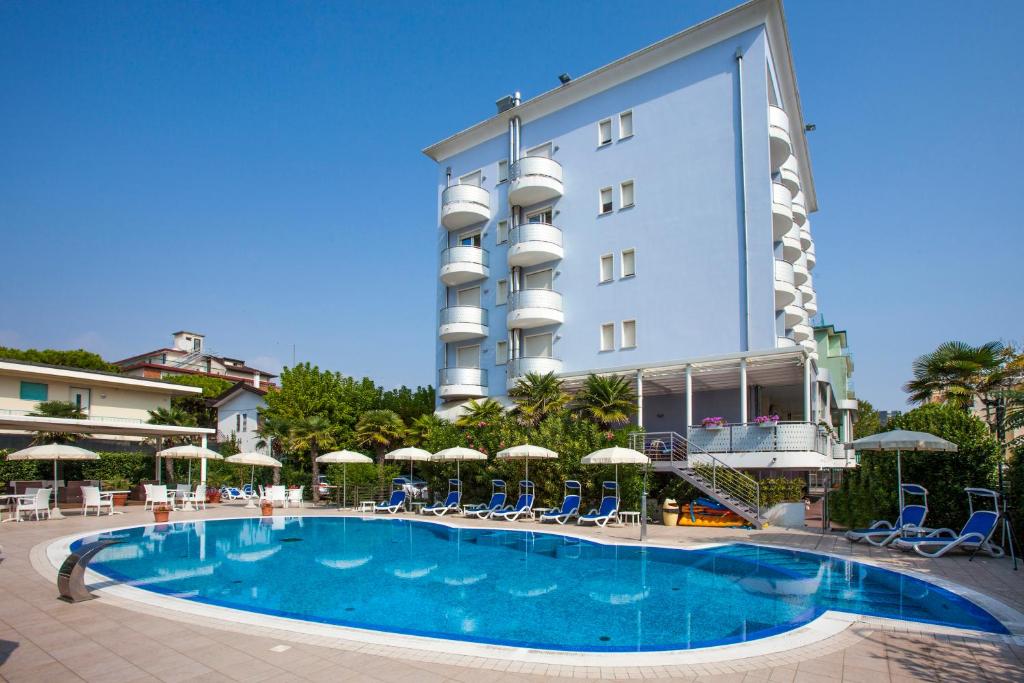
(19, 470)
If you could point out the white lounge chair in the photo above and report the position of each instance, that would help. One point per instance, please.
(976, 534)
(92, 497)
(523, 506)
(608, 510)
(570, 505)
(484, 510)
(37, 504)
(450, 503)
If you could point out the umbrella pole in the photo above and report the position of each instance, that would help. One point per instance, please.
(899, 482)
(55, 513)
(344, 485)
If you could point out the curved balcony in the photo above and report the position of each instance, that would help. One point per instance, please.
(778, 136)
(805, 236)
(520, 367)
(464, 205)
(784, 343)
(533, 180)
(785, 287)
(789, 174)
(463, 264)
(795, 315)
(461, 383)
(531, 244)
(791, 248)
(799, 210)
(459, 323)
(534, 308)
(782, 210)
(803, 332)
(810, 301)
(800, 272)
(812, 259)
(810, 345)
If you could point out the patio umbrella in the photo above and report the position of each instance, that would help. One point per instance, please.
(617, 455)
(457, 455)
(190, 453)
(527, 452)
(900, 440)
(254, 460)
(54, 452)
(343, 458)
(410, 454)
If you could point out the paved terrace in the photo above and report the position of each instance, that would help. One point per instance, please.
(114, 640)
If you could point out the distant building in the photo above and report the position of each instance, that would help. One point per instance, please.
(885, 415)
(238, 415)
(188, 355)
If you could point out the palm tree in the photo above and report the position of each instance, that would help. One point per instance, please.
(422, 427)
(538, 395)
(275, 436)
(175, 417)
(957, 373)
(381, 430)
(65, 410)
(607, 399)
(313, 432)
(480, 413)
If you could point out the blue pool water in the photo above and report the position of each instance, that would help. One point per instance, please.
(513, 587)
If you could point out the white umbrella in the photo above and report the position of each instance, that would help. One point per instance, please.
(254, 460)
(344, 458)
(54, 452)
(527, 452)
(902, 440)
(457, 455)
(410, 454)
(190, 453)
(617, 455)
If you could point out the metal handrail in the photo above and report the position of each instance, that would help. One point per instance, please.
(535, 232)
(528, 166)
(464, 314)
(464, 253)
(514, 368)
(472, 376)
(784, 436)
(482, 196)
(536, 297)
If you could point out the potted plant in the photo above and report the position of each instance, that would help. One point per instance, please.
(118, 484)
(766, 420)
(266, 508)
(713, 422)
(161, 513)
(212, 495)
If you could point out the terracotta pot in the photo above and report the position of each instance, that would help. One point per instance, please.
(161, 514)
(267, 509)
(120, 499)
(213, 496)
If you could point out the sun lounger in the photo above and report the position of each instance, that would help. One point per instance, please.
(570, 505)
(976, 534)
(523, 506)
(608, 510)
(450, 503)
(910, 521)
(484, 510)
(396, 502)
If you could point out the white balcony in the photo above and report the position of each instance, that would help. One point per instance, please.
(787, 445)
(791, 248)
(534, 308)
(455, 383)
(799, 209)
(534, 180)
(812, 259)
(785, 287)
(784, 343)
(782, 210)
(803, 332)
(795, 315)
(800, 272)
(463, 264)
(806, 242)
(464, 205)
(531, 244)
(810, 345)
(789, 174)
(518, 368)
(810, 300)
(459, 323)
(778, 136)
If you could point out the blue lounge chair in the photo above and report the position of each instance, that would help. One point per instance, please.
(523, 506)
(395, 503)
(451, 502)
(911, 520)
(570, 505)
(247, 491)
(484, 510)
(976, 534)
(608, 510)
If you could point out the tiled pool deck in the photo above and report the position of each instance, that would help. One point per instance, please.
(113, 640)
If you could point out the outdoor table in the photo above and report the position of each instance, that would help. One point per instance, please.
(112, 510)
(8, 500)
(367, 505)
(417, 507)
(630, 517)
(537, 512)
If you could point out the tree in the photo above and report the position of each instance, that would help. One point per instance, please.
(275, 436)
(196, 405)
(423, 427)
(381, 430)
(78, 358)
(608, 400)
(480, 413)
(176, 417)
(408, 403)
(313, 432)
(867, 420)
(538, 396)
(957, 372)
(64, 410)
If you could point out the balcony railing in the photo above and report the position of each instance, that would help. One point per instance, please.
(465, 254)
(535, 232)
(535, 166)
(470, 194)
(464, 314)
(752, 437)
(474, 377)
(520, 367)
(535, 298)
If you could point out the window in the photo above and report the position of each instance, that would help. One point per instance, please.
(501, 293)
(604, 132)
(502, 171)
(628, 334)
(628, 263)
(542, 279)
(501, 353)
(606, 268)
(33, 391)
(544, 150)
(238, 422)
(625, 125)
(626, 194)
(467, 357)
(542, 216)
(474, 178)
(608, 337)
(606, 200)
(502, 232)
(245, 422)
(468, 297)
(470, 240)
(537, 345)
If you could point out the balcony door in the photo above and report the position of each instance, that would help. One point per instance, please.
(542, 216)
(467, 357)
(468, 297)
(470, 240)
(475, 178)
(537, 345)
(540, 151)
(539, 280)
(81, 398)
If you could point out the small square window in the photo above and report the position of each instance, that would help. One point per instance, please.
(501, 293)
(501, 353)
(33, 391)
(626, 194)
(625, 125)
(502, 171)
(606, 200)
(606, 268)
(628, 263)
(628, 334)
(502, 232)
(608, 337)
(604, 132)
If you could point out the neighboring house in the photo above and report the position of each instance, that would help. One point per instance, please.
(238, 415)
(650, 219)
(116, 407)
(188, 355)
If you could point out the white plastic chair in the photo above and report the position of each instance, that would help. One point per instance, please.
(157, 494)
(199, 497)
(295, 496)
(37, 504)
(92, 497)
(279, 494)
(146, 504)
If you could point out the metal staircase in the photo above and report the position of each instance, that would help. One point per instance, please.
(671, 452)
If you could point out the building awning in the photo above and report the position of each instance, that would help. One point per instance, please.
(96, 426)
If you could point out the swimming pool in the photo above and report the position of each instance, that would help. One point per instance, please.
(509, 587)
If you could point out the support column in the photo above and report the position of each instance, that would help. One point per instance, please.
(743, 390)
(640, 398)
(689, 400)
(202, 465)
(807, 389)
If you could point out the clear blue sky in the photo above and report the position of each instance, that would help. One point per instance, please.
(253, 170)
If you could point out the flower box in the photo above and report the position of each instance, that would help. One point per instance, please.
(768, 424)
(713, 422)
(768, 421)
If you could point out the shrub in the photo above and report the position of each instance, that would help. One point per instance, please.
(17, 470)
(780, 490)
(131, 466)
